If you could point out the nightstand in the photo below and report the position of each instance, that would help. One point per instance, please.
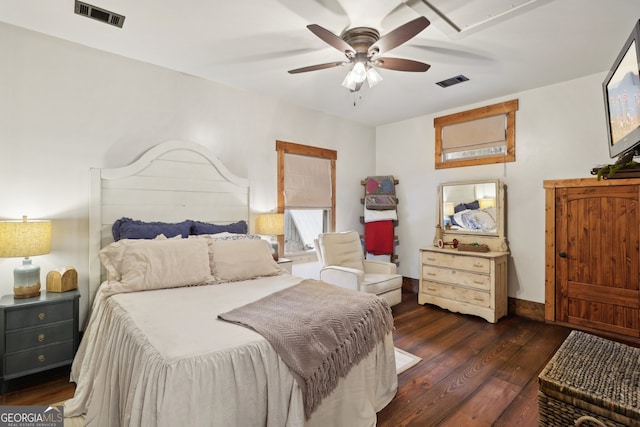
(39, 333)
(285, 264)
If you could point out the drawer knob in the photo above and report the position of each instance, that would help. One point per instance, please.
(41, 316)
(41, 358)
(40, 337)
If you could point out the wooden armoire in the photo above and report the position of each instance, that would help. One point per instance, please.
(592, 255)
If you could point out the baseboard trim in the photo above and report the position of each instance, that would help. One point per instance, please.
(410, 285)
(527, 309)
(523, 308)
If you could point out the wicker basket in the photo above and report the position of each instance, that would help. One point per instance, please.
(590, 381)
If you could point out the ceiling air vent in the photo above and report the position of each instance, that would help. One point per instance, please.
(452, 81)
(90, 11)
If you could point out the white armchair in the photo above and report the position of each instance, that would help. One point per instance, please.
(342, 263)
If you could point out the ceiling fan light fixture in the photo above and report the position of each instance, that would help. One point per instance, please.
(359, 72)
(349, 81)
(373, 77)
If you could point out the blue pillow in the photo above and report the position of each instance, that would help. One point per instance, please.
(473, 205)
(199, 227)
(127, 228)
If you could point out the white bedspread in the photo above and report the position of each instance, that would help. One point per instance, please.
(162, 358)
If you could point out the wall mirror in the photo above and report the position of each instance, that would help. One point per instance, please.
(473, 212)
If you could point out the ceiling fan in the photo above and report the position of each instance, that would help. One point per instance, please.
(363, 46)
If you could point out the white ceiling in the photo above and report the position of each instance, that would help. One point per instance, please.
(502, 46)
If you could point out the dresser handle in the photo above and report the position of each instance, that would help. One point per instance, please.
(40, 337)
(431, 274)
(477, 282)
(431, 259)
(478, 299)
(477, 265)
(41, 358)
(41, 316)
(431, 289)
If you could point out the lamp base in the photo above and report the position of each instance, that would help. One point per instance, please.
(276, 248)
(26, 291)
(26, 280)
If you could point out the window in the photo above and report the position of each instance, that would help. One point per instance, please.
(476, 137)
(306, 195)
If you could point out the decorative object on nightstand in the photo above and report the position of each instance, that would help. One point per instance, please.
(271, 224)
(25, 239)
(62, 279)
(38, 334)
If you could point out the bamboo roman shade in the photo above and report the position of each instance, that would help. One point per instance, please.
(307, 182)
(475, 138)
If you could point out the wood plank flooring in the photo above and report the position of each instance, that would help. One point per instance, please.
(472, 373)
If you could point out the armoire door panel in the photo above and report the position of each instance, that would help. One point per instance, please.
(597, 262)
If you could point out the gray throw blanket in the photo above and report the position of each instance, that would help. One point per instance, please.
(319, 330)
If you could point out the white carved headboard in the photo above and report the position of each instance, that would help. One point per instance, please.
(171, 182)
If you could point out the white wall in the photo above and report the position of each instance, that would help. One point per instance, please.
(560, 133)
(65, 108)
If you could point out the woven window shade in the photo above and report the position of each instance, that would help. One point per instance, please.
(307, 182)
(484, 133)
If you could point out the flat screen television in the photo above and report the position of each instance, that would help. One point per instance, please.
(622, 98)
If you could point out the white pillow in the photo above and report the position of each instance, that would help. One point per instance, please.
(137, 265)
(243, 259)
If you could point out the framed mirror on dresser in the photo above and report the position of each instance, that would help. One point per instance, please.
(465, 269)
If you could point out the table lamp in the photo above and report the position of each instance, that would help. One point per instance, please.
(25, 239)
(271, 224)
(486, 203)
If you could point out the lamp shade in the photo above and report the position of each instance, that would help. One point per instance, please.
(270, 224)
(486, 203)
(448, 208)
(24, 238)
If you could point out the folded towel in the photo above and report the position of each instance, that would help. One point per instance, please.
(371, 215)
(378, 237)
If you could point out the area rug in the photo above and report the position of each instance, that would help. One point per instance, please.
(405, 360)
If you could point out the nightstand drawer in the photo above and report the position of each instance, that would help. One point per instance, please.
(40, 336)
(43, 357)
(39, 315)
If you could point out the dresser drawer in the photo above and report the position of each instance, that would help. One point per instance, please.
(456, 277)
(24, 339)
(39, 315)
(470, 296)
(459, 262)
(43, 357)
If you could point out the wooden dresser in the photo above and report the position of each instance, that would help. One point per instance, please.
(592, 256)
(465, 282)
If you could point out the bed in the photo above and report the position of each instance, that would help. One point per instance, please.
(471, 217)
(155, 350)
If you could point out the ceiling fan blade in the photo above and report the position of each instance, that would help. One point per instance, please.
(317, 67)
(400, 35)
(400, 64)
(331, 39)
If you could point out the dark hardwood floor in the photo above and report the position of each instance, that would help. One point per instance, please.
(472, 373)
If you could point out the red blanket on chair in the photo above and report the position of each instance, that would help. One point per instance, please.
(378, 237)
